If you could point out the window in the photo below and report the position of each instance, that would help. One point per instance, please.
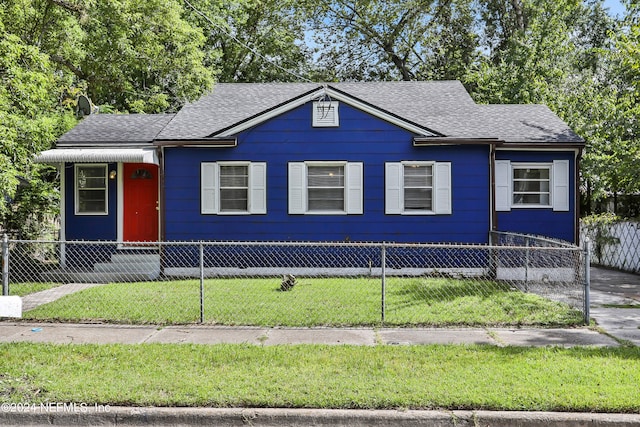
(234, 188)
(325, 185)
(325, 188)
(229, 188)
(418, 188)
(91, 189)
(532, 185)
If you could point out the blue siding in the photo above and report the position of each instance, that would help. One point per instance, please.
(360, 138)
(545, 222)
(89, 227)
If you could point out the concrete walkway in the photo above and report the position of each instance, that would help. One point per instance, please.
(615, 303)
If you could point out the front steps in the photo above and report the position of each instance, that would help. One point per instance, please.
(122, 267)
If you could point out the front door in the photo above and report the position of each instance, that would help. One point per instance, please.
(140, 196)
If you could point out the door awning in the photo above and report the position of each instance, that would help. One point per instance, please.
(95, 155)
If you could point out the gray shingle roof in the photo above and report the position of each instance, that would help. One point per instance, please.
(442, 106)
(116, 129)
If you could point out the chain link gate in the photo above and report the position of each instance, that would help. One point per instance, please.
(300, 284)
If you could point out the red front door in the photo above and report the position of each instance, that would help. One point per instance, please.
(140, 210)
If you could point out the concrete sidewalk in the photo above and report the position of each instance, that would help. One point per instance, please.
(64, 333)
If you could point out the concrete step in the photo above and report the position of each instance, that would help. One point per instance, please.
(98, 277)
(130, 258)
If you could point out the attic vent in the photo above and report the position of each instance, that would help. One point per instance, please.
(325, 114)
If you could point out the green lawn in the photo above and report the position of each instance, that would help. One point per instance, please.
(22, 289)
(312, 302)
(303, 376)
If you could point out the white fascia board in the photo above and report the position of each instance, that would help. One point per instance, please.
(333, 95)
(271, 114)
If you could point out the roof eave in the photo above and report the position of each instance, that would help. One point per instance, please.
(198, 143)
(420, 141)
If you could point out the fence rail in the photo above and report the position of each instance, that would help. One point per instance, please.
(301, 283)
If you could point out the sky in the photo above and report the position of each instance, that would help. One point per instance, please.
(615, 8)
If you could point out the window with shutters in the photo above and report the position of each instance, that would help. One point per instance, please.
(418, 188)
(325, 188)
(532, 185)
(233, 188)
(91, 189)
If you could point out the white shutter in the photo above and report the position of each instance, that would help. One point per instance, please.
(297, 188)
(354, 188)
(258, 188)
(393, 188)
(560, 176)
(208, 188)
(442, 188)
(503, 185)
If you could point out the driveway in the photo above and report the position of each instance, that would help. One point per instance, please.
(615, 303)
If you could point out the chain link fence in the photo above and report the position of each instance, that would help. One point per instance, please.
(510, 282)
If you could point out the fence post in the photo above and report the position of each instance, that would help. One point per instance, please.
(5, 265)
(383, 264)
(201, 282)
(526, 264)
(587, 281)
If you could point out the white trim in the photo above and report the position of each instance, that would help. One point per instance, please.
(63, 215)
(531, 165)
(120, 213)
(334, 95)
(99, 155)
(379, 114)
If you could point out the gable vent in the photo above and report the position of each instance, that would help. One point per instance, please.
(325, 114)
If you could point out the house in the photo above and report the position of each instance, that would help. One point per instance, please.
(375, 161)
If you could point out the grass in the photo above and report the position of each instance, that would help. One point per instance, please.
(25, 288)
(312, 302)
(303, 376)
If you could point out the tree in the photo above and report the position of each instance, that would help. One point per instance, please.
(253, 40)
(33, 114)
(391, 40)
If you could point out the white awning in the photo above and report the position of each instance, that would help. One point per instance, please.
(99, 155)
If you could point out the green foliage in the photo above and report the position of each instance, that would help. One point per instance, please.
(393, 40)
(33, 116)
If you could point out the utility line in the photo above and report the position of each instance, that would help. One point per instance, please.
(252, 50)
